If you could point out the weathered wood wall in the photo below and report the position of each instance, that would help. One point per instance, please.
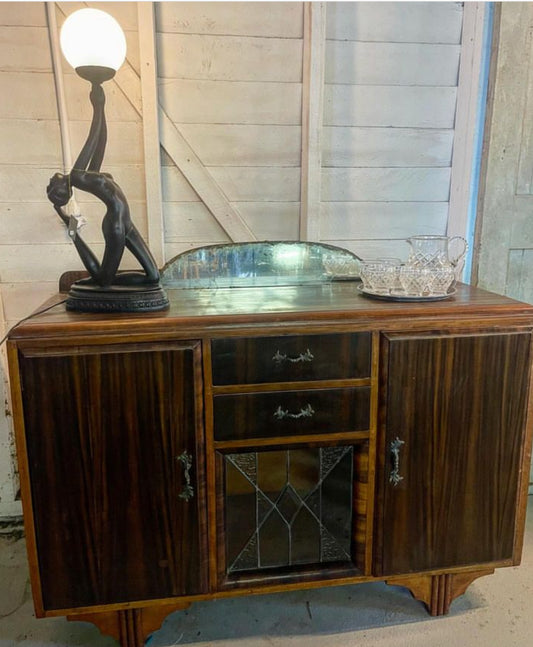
(254, 102)
(231, 82)
(389, 113)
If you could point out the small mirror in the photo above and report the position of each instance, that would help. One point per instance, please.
(264, 263)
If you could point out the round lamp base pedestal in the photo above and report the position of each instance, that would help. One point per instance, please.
(116, 298)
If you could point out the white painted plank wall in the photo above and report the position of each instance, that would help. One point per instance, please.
(30, 134)
(230, 80)
(389, 113)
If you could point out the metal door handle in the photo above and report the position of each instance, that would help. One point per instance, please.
(186, 461)
(395, 447)
(305, 412)
(302, 357)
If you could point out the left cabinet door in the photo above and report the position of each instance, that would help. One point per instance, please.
(114, 441)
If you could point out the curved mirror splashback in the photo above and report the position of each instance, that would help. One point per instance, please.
(264, 263)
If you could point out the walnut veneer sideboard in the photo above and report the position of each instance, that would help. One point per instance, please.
(264, 439)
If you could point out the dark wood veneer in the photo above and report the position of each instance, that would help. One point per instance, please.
(103, 404)
(257, 360)
(458, 404)
(103, 433)
(253, 415)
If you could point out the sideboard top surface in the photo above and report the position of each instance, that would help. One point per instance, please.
(333, 303)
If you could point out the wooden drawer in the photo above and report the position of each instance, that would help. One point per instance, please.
(257, 360)
(291, 413)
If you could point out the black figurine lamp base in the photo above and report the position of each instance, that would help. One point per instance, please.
(117, 298)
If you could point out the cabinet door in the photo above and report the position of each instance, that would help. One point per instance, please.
(113, 439)
(297, 512)
(454, 414)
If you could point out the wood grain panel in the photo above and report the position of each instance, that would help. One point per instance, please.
(364, 147)
(106, 482)
(400, 106)
(458, 404)
(415, 22)
(279, 359)
(254, 415)
(225, 102)
(229, 58)
(362, 500)
(292, 310)
(282, 19)
(367, 63)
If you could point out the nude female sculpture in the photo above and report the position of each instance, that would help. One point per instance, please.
(118, 229)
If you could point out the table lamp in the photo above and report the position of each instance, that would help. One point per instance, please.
(94, 44)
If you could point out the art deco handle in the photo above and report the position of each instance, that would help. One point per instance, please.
(395, 446)
(305, 412)
(188, 491)
(302, 357)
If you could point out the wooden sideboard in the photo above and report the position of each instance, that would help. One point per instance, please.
(255, 440)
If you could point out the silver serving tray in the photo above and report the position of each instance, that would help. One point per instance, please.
(404, 297)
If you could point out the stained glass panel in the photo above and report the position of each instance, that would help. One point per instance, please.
(289, 507)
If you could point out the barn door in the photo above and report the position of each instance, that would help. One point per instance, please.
(505, 218)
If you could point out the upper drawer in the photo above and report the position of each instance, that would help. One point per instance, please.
(256, 360)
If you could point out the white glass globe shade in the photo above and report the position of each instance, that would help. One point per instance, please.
(93, 37)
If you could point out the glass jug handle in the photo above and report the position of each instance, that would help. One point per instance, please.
(455, 260)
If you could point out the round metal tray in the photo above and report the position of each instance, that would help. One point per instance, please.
(404, 297)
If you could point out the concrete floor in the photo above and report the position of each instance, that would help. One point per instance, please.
(496, 611)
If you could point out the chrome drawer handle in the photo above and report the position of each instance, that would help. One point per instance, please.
(302, 357)
(188, 491)
(395, 447)
(305, 412)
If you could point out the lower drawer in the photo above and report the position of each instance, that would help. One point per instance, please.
(289, 413)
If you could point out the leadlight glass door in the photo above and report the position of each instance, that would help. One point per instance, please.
(287, 508)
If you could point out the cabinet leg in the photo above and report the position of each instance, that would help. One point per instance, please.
(130, 627)
(437, 592)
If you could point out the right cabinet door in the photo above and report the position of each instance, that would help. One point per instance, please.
(452, 428)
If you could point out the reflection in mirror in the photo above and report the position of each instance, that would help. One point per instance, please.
(260, 264)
